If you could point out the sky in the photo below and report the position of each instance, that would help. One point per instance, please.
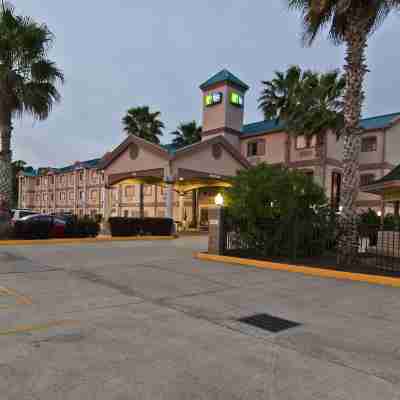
(126, 53)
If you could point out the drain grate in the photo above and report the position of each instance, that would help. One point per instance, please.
(269, 322)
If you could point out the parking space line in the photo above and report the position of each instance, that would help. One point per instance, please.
(37, 327)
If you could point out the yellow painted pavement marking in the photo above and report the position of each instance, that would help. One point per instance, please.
(37, 327)
(321, 272)
(83, 240)
(19, 299)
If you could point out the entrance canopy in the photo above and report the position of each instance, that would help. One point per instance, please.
(388, 187)
(209, 163)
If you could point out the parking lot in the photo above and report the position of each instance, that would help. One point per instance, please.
(145, 320)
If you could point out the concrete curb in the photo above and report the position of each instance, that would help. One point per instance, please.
(320, 272)
(47, 242)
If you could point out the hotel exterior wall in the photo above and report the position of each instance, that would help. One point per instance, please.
(392, 148)
(275, 148)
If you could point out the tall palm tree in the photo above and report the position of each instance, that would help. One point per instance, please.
(309, 103)
(187, 134)
(139, 121)
(28, 81)
(349, 22)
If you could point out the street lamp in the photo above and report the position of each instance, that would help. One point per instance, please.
(219, 200)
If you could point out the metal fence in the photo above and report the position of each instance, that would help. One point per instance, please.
(378, 246)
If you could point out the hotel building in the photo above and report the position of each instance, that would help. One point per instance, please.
(182, 183)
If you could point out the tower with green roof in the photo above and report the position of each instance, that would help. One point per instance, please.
(223, 106)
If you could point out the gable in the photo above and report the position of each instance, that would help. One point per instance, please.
(211, 156)
(135, 156)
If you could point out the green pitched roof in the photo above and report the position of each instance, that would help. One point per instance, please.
(393, 175)
(270, 126)
(224, 76)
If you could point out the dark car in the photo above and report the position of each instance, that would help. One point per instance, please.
(40, 226)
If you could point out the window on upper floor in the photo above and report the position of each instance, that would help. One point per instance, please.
(369, 144)
(366, 179)
(93, 194)
(147, 190)
(81, 174)
(81, 195)
(305, 142)
(129, 191)
(256, 148)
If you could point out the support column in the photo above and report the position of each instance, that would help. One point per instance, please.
(141, 200)
(169, 202)
(195, 207)
(397, 209)
(107, 211)
(182, 209)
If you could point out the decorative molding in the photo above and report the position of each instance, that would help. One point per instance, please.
(221, 130)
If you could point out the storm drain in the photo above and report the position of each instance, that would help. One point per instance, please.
(269, 322)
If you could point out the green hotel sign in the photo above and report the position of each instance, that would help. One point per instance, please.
(236, 99)
(213, 99)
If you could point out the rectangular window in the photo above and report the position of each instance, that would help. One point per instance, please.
(236, 99)
(147, 190)
(366, 179)
(369, 144)
(81, 175)
(126, 213)
(71, 179)
(251, 149)
(93, 194)
(129, 191)
(81, 195)
(71, 195)
(303, 142)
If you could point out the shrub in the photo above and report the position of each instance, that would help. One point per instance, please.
(279, 212)
(140, 226)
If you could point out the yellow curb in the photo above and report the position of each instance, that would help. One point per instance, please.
(324, 273)
(36, 327)
(82, 240)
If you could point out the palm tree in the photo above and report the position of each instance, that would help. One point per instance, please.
(309, 103)
(27, 81)
(187, 134)
(349, 22)
(139, 121)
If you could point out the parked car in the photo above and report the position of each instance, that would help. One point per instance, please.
(19, 213)
(40, 226)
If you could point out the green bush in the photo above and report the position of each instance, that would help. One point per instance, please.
(279, 212)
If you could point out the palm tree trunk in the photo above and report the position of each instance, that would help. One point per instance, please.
(355, 69)
(5, 164)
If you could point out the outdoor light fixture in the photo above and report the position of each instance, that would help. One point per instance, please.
(340, 209)
(219, 200)
(379, 213)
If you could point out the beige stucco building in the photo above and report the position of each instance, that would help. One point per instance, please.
(182, 183)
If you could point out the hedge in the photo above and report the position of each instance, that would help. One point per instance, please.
(120, 226)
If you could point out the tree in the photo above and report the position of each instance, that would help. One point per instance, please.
(349, 22)
(16, 168)
(187, 134)
(28, 81)
(278, 211)
(309, 103)
(141, 122)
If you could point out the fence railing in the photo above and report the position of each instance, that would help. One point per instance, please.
(378, 246)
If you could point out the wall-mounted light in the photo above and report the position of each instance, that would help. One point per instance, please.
(379, 213)
(219, 200)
